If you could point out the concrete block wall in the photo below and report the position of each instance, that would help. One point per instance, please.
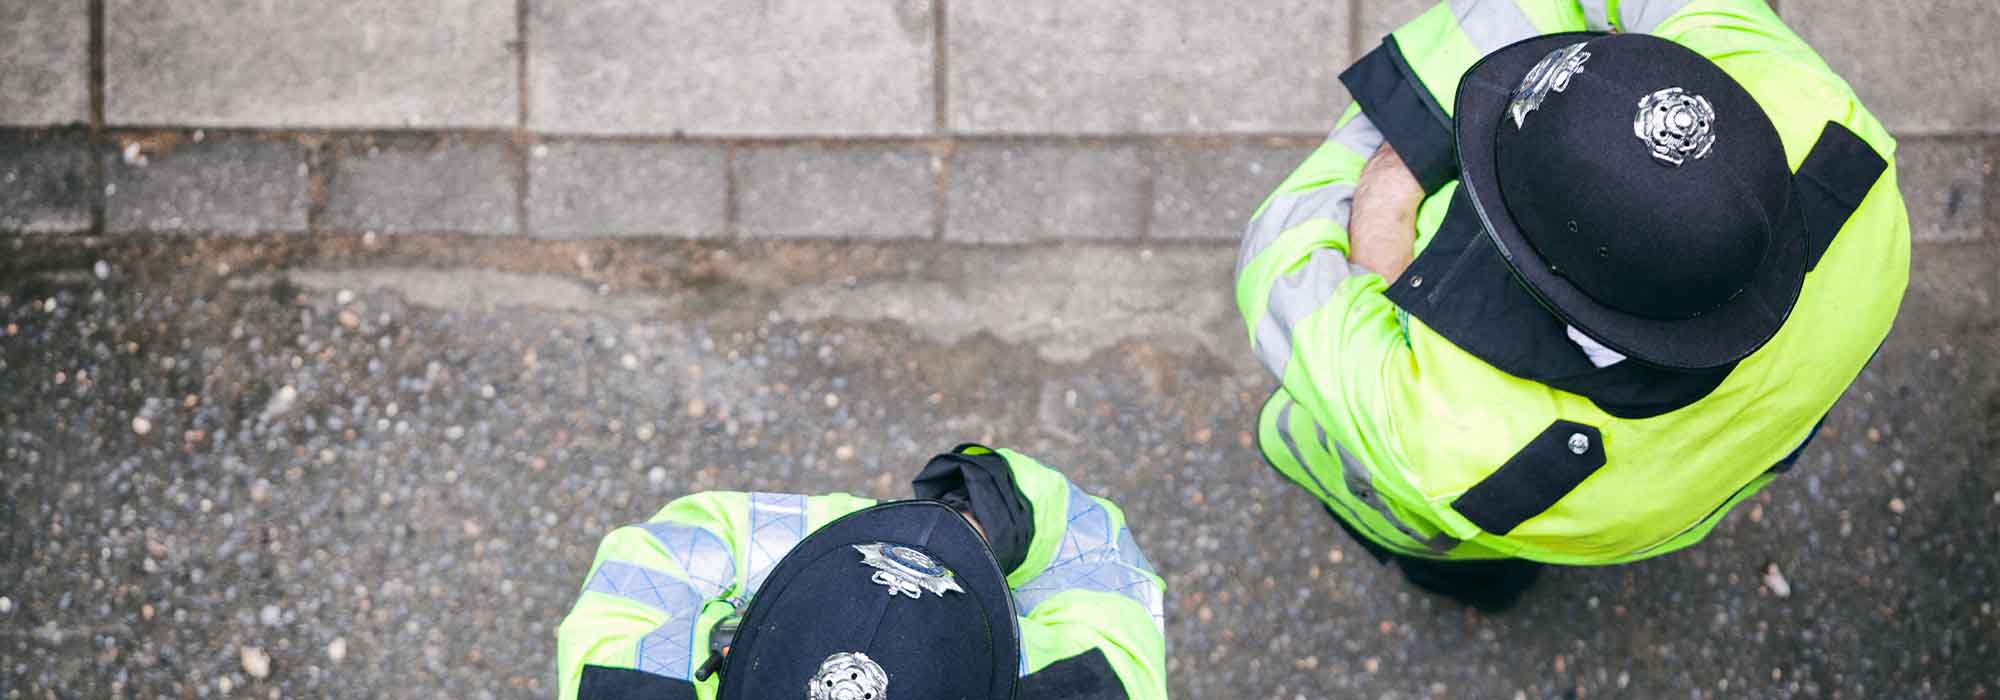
(982, 122)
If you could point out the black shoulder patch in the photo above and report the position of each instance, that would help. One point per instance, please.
(1531, 481)
(1836, 175)
(1086, 676)
(607, 683)
(1406, 112)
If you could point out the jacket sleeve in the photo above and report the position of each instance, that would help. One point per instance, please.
(1085, 585)
(1321, 325)
(655, 588)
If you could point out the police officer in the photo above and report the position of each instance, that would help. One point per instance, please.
(1570, 281)
(1000, 580)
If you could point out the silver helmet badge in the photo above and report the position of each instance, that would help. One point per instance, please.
(907, 571)
(1551, 75)
(1676, 126)
(848, 675)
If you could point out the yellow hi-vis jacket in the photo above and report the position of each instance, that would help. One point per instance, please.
(656, 589)
(1390, 424)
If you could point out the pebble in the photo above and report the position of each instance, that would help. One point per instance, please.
(645, 431)
(1371, 664)
(1775, 580)
(343, 297)
(102, 269)
(1896, 506)
(270, 616)
(6, 605)
(844, 453)
(281, 402)
(832, 400)
(487, 392)
(697, 408)
(255, 662)
(658, 475)
(349, 319)
(141, 426)
(629, 361)
(454, 433)
(337, 649)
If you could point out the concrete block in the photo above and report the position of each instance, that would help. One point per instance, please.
(582, 190)
(44, 183)
(447, 185)
(771, 67)
(1944, 187)
(1209, 192)
(1021, 193)
(356, 63)
(839, 192)
(237, 186)
(1176, 66)
(1916, 65)
(44, 62)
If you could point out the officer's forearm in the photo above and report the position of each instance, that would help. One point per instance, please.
(1383, 242)
(1382, 231)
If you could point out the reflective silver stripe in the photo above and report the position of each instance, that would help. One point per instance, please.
(1274, 345)
(1647, 15)
(1361, 483)
(669, 649)
(1087, 535)
(1091, 557)
(1285, 433)
(1296, 296)
(1492, 24)
(1129, 552)
(709, 566)
(777, 523)
(1597, 14)
(1288, 211)
(1358, 135)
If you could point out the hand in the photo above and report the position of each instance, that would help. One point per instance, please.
(1382, 227)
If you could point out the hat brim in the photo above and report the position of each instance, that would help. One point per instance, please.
(1719, 337)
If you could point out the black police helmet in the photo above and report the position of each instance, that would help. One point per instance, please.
(1639, 192)
(901, 600)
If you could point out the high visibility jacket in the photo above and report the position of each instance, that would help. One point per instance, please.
(656, 589)
(1391, 424)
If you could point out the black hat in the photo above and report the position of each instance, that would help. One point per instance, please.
(902, 599)
(1637, 190)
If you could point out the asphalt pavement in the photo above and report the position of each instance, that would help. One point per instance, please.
(378, 466)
